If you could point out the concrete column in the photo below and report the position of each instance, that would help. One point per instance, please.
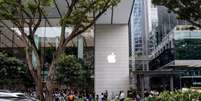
(134, 81)
(80, 45)
(180, 82)
(147, 83)
(171, 83)
(142, 85)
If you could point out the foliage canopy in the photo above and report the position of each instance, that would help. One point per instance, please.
(13, 71)
(189, 10)
(176, 96)
(72, 71)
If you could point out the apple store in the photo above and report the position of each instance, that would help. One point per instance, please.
(112, 50)
(107, 48)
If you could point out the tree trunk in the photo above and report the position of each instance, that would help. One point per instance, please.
(36, 76)
(39, 90)
(49, 93)
(49, 82)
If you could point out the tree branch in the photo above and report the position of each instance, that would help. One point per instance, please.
(27, 14)
(4, 44)
(39, 20)
(91, 24)
(57, 8)
(11, 30)
(30, 66)
(76, 31)
(185, 9)
(67, 3)
(73, 34)
(46, 19)
(69, 11)
(71, 8)
(36, 25)
(188, 18)
(9, 38)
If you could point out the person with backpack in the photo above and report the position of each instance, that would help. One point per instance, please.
(71, 97)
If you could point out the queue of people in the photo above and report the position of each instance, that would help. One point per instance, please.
(82, 95)
(71, 95)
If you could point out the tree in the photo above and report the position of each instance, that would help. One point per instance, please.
(80, 15)
(71, 71)
(13, 71)
(189, 10)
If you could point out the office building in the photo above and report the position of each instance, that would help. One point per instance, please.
(143, 24)
(176, 56)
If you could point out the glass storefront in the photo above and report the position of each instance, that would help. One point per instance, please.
(187, 45)
(188, 49)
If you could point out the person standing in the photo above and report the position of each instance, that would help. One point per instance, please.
(56, 96)
(97, 97)
(138, 97)
(102, 97)
(106, 95)
(122, 96)
(71, 97)
(61, 97)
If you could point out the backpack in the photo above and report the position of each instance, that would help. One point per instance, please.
(70, 98)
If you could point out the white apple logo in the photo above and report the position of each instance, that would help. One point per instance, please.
(111, 58)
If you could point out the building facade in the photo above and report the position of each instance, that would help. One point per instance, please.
(110, 51)
(177, 48)
(144, 20)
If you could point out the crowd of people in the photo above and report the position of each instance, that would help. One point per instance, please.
(86, 96)
(64, 94)
(138, 95)
(83, 95)
(104, 96)
(70, 95)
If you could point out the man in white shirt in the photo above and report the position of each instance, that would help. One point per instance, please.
(122, 96)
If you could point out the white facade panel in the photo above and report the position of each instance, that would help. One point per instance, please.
(111, 39)
(120, 14)
(105, 18)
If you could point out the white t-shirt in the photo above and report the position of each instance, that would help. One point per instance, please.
(122, 96)
(101, 96)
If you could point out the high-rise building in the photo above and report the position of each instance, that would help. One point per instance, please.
(136, 40)
(144, 20)
(136, 29)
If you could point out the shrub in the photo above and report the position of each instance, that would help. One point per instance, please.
(176, 96)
